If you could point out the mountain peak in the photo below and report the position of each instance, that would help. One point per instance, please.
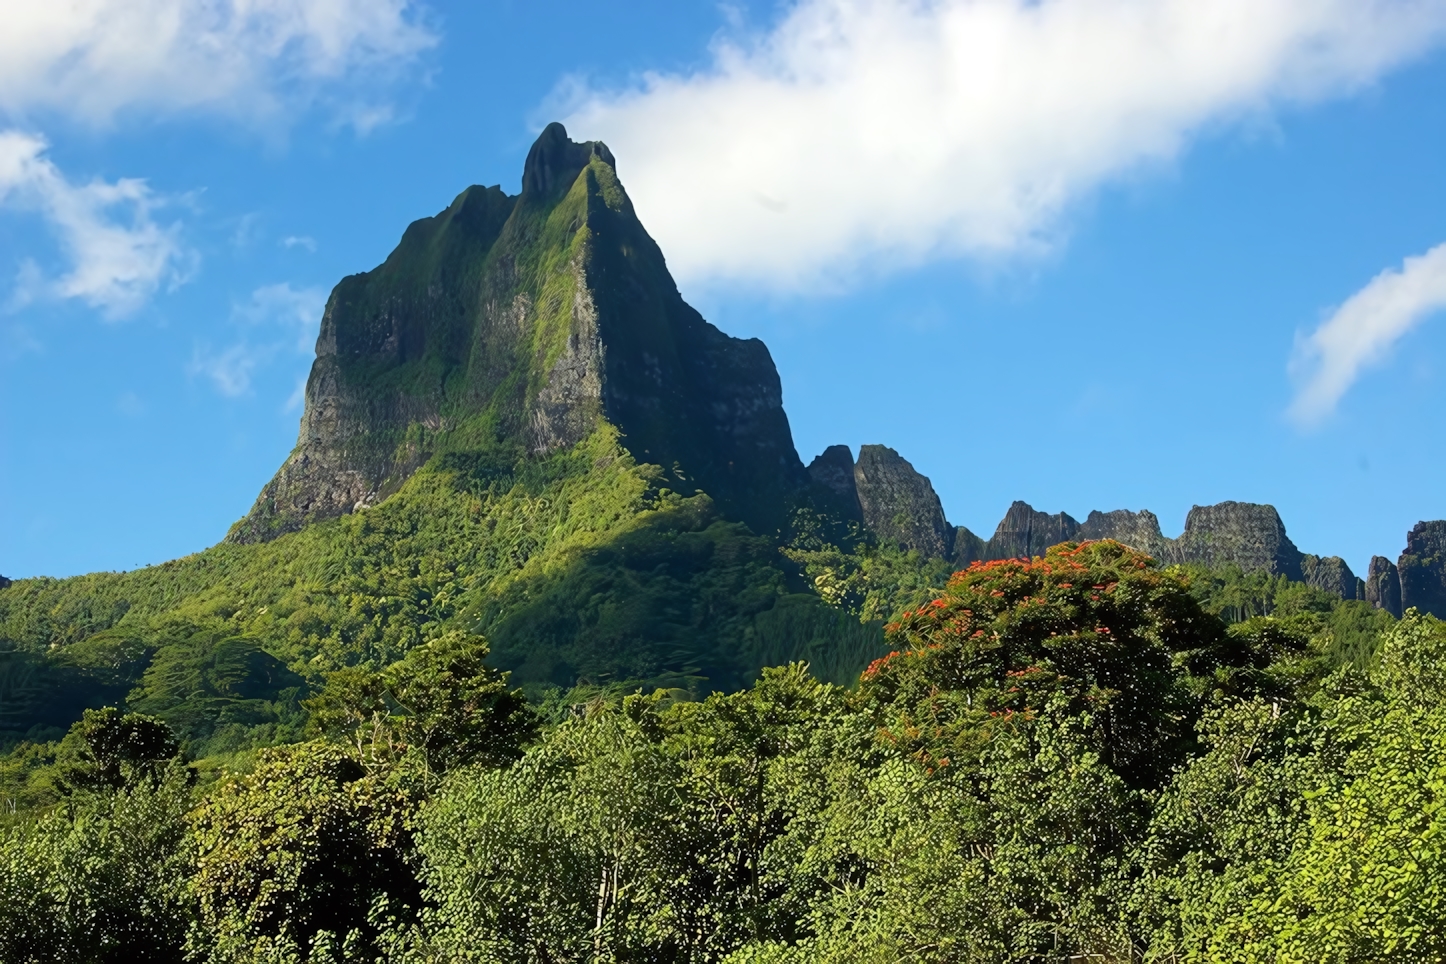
(531, 320)
(555, 161)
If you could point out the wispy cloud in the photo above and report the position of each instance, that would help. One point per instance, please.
(249, 58)
(279, 323)
(117, 253)
(299, 241)
(228, 369)
(297, 398)
(247, 230)
(1362, 330)
(295, 310)
(860, 136)
(17, 341)
(130, 405)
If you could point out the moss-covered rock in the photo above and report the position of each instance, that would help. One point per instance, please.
(529, 320)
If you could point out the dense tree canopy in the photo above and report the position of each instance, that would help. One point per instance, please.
(1080, 755)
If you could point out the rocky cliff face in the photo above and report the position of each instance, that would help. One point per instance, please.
(532, 320)
(898, 504)
(1332, 575)
(1139, 530)
(884, 492)
(833, 473)
(1422, 569)
(1249, 535)
(529, 318)
(1383, 585)
(1025, 532)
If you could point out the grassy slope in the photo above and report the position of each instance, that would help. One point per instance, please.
(579, 566)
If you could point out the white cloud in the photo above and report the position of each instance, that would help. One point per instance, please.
(229, 370)
(280, 321)
(118, 254)
(91, 59)
(296, 309)
(1362, 330)
(864, 135)
(299, 241)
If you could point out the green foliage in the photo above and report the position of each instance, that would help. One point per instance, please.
(1068, 757)
(560, 857)
(101, 879)
(833, 644)
(42, 694)
(1012, 856)
(684, 599)
(440, 703)
(112, 749)
(1349, 628)
(579, 566)
(301, 852)
(1079, 757)
(638, 832)
(221, 693)
(873, 581)
(1311, 831)
(105, 749)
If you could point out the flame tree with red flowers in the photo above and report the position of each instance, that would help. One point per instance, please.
(1094, 629)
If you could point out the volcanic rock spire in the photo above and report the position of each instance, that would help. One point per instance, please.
(530, 320)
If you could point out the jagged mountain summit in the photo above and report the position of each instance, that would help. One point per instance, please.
(529, 319)
(894, 502)
(1418, 577)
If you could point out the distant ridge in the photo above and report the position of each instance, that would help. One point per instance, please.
(896, 503)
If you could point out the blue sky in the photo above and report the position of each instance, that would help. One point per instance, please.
(1086, 253)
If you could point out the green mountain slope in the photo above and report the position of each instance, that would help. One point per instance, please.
(580, 566)
(514, 427)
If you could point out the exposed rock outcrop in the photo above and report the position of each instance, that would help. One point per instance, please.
(898, 504)
(1383, 586)
(1422, 569)
(968, 548)
(1138, 530)
(1245, 534)
(1249, 536)
(833, 472)
(1024, 532)
(1332, 575)
(530, 318)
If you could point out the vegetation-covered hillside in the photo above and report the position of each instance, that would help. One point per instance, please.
(1070, 757)
(580, 567)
